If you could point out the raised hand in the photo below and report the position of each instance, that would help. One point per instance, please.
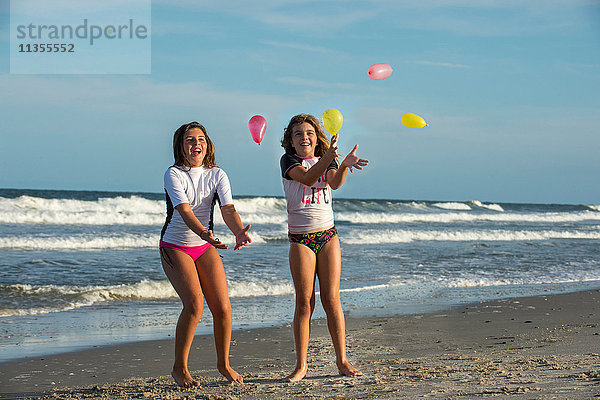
(242, 238)
(353, 161)
(333, 145)
(208, 236)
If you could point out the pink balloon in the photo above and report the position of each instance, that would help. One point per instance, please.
(380, 71)
(257, 126)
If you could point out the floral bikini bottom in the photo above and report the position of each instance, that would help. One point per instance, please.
(313, 240)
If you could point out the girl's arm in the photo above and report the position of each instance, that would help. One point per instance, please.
(192, 222)
(234, 223)
(336, 178)
(310, 176)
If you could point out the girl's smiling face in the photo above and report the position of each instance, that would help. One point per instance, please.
(304, 139)
(194, 146)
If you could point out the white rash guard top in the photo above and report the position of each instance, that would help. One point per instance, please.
(309, 207)
(201, 188)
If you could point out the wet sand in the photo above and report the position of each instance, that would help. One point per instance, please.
(544, 347)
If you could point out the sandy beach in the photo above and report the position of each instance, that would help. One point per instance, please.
(543, 347)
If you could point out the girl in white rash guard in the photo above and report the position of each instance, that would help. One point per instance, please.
(309, 171)
(188, 249)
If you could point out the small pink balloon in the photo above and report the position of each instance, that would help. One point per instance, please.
(257, 126)
(380, 71)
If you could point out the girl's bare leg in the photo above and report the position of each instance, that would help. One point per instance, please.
(214, 285)
(303, 267)
(329, 273)
(181, 272)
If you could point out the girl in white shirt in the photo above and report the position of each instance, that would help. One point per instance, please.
(189, 251)
(309, 172)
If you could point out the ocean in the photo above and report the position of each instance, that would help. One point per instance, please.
(80, 269)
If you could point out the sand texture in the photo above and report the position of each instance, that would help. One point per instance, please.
(543, 347)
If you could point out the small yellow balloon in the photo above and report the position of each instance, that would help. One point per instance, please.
(413, 120)
(332, 120)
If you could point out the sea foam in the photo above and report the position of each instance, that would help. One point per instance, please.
(43, 299)
(450, 217)
(407, 236)
(98, 242)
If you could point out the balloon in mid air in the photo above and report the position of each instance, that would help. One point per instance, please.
(413, 120)
(332, 120)
(257, 126)
(380, 71)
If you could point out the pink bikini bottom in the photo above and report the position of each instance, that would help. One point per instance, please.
(193, 251)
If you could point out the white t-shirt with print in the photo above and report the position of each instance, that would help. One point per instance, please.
(309, 207)
(200, 187)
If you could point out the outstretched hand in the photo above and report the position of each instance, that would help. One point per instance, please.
(353, 161)
(333, 146)
(242, 238)
(208, 236)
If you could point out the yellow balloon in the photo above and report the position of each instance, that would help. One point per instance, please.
(332, 120)
(413, 120)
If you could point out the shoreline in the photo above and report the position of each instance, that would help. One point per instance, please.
(542, 347)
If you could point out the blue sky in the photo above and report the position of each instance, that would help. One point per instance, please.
(510, 90)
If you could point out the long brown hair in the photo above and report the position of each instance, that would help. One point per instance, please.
(322, 142)
(178, 152)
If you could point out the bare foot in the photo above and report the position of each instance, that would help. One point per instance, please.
(184, 379)
(231, 375)
(348, 370)
(297, 375)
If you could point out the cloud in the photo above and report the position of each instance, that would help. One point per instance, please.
(294, 15)
(503, 18)
(313, 83)
(319, 23)
(312, 18)
(590, 70)
(441, 64)
(137, 95)
(297, 46)
(101, 122)
(499, 18)
(60, 10)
